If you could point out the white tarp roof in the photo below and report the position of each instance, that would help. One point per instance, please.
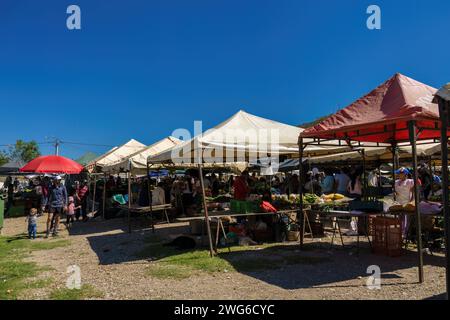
(423, 150)
(117, 154)
(136, 163)
(242, 133)
(405, 150)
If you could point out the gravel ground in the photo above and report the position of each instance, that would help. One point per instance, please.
(106, 255)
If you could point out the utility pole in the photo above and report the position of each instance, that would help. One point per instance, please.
(57, 143)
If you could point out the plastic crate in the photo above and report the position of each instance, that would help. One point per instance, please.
(237, 206)
(387, 236)
(252, 207)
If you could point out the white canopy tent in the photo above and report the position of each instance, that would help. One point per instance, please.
(115, 155)
(136, 163)
(238, 140)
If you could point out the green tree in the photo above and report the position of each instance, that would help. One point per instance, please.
(24, 151)
(3, 157)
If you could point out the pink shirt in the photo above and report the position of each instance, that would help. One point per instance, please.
(71, 209)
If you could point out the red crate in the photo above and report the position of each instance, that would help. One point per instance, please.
(387, 236)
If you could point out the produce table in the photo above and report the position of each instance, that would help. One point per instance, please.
(216, 216)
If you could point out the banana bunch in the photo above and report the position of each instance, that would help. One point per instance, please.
(333, 197)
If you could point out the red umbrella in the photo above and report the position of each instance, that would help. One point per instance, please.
(52, 164)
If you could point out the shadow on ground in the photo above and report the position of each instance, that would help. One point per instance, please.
(282, 265)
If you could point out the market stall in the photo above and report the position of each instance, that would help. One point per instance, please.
(238, 141)
(115, 155)
(136, 164)
(398, 111)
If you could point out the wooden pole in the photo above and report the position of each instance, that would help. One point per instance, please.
(129, 201)
(205, 207)
(443, 110)
(300, 190)
(413, 140)
(150, 198)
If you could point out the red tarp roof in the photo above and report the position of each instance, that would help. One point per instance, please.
(52, 164)
(383, 114)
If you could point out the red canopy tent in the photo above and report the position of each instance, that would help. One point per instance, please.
(52, 164)
(383, 114)
(399, 110)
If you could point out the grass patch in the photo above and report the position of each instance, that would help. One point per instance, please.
(39, 284)
(162, 271)
(13, 270)
(169, 263)
(85, 292)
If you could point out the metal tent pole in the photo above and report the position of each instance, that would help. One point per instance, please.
(444, 109)
(205, 207)
(93, 194)
(129, 201)
(150, 198)
(394, 168)
(300, 189)
(413, 139)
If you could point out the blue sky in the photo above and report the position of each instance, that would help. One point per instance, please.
(140, 69)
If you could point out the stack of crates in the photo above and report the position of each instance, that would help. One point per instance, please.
(244, 207)
(387, 236)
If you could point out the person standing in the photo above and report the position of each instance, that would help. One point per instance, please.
(82, 193)
(427, 181)
(328, 183)
(10, 200)
(32, 223)
(404, 191)
(294, 185)
(404, 187)
(354, 189)
(58, 205)
(241, 188)
(342, 180)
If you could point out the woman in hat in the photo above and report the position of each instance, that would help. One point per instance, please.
(404, 187)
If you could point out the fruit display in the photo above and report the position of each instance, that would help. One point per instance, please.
(311, 198)
(333, 197)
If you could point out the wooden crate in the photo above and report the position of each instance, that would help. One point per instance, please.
(387, 236)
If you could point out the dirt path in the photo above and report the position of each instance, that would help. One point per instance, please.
(106, 255)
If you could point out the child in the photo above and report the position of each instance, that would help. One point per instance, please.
(71, 212)
(32, 223)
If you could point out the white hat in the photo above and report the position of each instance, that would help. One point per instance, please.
(58, 178)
